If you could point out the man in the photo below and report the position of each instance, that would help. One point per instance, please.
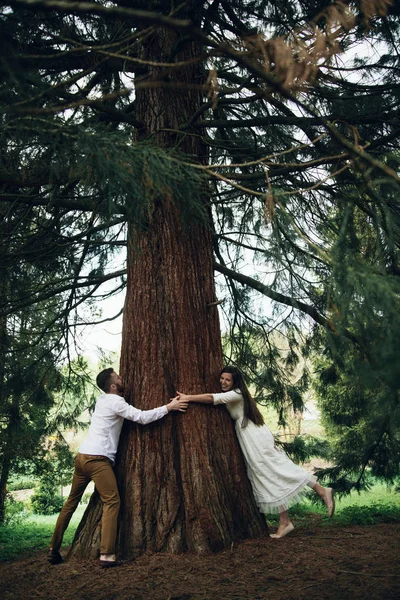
(95, 459)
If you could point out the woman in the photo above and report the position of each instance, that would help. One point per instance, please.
(276, 481)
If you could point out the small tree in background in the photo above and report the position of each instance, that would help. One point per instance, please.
(46, 500)
(55, 471)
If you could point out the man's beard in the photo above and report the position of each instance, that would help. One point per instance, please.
(120, 389)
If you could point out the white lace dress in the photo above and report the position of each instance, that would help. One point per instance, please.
(276, 481)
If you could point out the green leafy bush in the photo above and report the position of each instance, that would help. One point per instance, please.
(46, 501)
(24, 483)
(15, 511)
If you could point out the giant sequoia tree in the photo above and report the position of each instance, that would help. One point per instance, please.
(223, 134)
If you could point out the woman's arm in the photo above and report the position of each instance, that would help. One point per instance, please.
(202, 398)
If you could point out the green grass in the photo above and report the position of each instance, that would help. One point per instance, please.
(380, 504)
(379, 493)
(34, 533)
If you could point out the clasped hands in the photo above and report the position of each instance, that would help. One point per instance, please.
(180, 402)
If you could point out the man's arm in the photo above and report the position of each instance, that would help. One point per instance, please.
(144, 417)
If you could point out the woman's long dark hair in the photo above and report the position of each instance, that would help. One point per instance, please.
(250, 406)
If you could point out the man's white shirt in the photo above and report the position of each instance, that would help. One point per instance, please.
(106, 424)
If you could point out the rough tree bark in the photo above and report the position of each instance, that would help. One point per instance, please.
(182, 480)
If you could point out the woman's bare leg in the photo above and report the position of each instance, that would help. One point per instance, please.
(327, 496)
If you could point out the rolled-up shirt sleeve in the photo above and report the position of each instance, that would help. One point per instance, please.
(227, 397)
(125, 410)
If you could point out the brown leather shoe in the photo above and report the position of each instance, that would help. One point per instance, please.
(54, 557)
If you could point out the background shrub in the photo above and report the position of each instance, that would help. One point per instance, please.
(15, 511)
(24, 483)
(47, 500)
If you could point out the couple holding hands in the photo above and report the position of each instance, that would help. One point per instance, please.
(276, 481)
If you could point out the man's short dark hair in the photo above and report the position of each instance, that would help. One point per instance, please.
(103, 379)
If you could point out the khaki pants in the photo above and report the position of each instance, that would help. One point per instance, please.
(99, 470)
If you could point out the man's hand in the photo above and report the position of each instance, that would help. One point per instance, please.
(178, 403)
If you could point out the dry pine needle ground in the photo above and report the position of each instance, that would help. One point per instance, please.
(328, 562)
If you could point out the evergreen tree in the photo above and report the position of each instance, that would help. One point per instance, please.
(38, 396)
(224, 134)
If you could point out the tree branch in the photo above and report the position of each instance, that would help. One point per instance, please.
(283, 299)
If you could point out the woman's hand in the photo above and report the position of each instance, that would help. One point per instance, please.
(178, 403)
(181, 396)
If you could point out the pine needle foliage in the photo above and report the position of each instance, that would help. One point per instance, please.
(104, 168)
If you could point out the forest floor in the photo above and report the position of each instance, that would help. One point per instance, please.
(357, 562)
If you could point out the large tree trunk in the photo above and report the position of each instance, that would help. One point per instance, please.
(182, 480)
